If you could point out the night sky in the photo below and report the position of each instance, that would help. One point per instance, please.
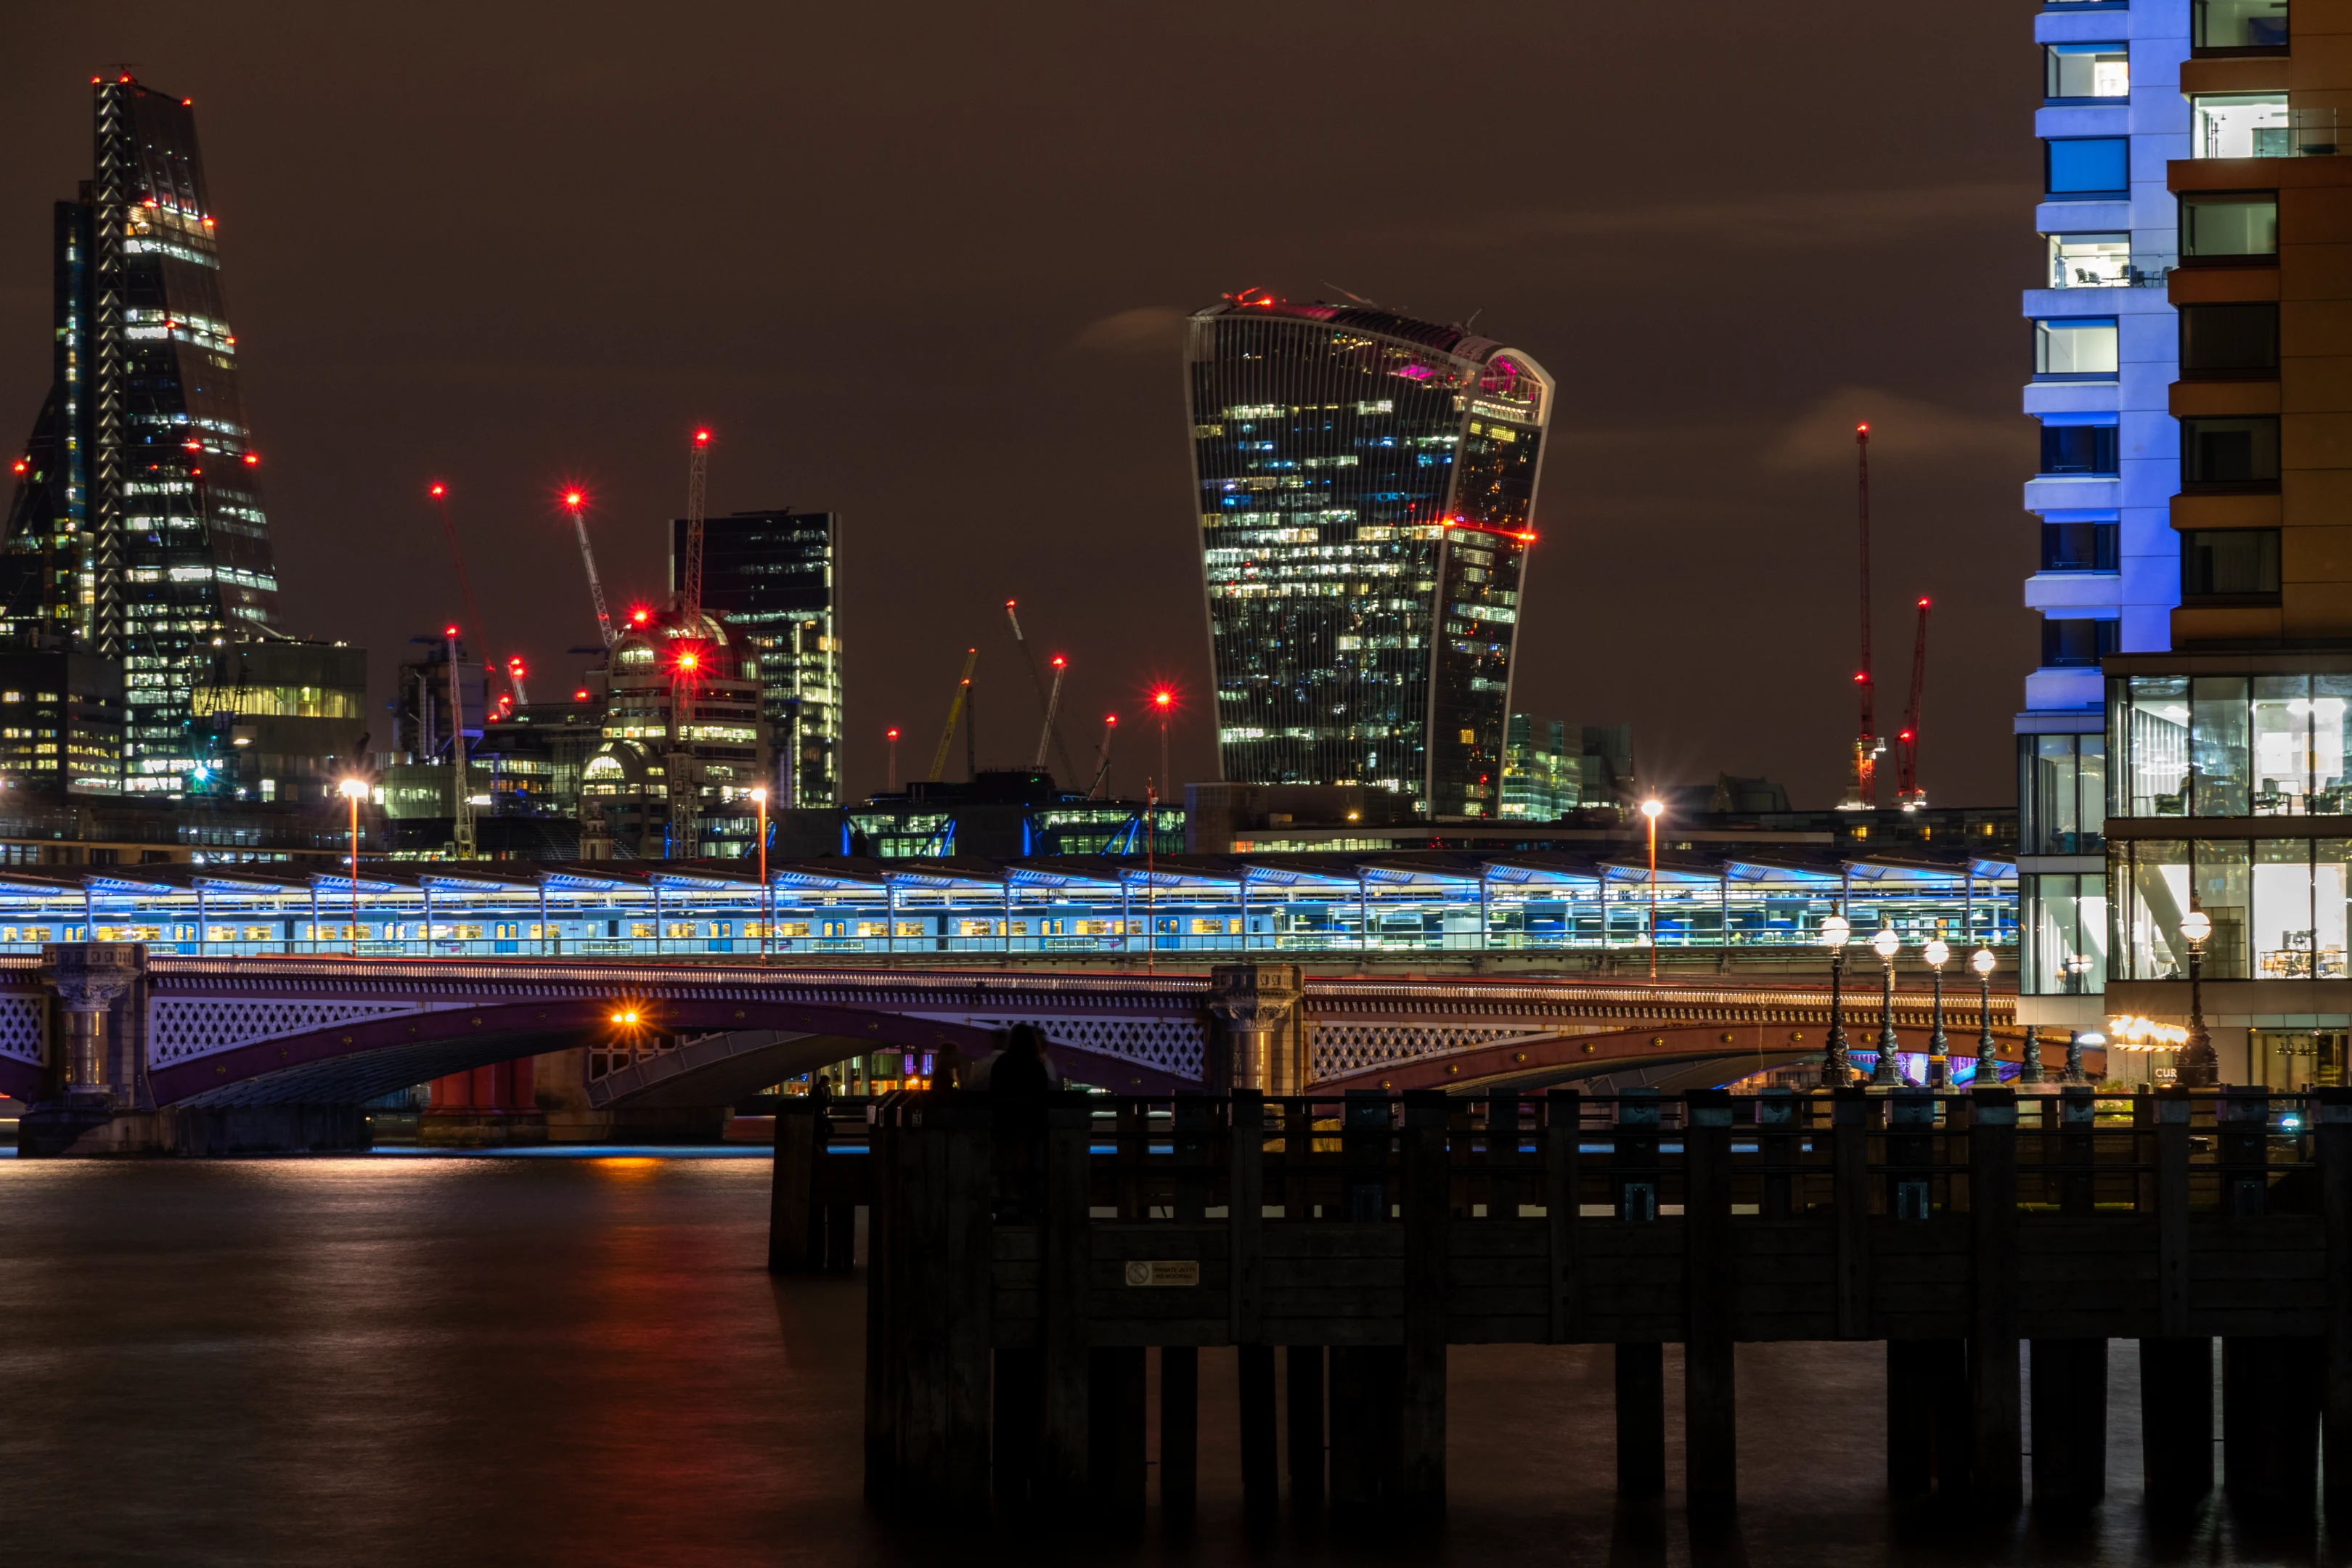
(925, 266)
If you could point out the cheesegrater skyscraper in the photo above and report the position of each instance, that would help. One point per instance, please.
(1366, 489)
(136, 531)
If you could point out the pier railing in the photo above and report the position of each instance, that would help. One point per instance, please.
(1023, 1257)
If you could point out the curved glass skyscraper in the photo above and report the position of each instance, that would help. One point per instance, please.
(1366, 488)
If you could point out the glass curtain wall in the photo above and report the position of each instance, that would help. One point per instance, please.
(2065, 953)
(2061, 793)
(2278, 906)
(2266, 746)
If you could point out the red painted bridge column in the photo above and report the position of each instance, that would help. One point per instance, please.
(484, 1107)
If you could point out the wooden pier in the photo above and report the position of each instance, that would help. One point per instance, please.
(1026, 1261)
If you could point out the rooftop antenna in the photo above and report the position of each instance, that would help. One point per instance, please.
(1350, 293)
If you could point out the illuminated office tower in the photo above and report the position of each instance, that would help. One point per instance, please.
(772, 574)
(136, 532)
(1366, 489)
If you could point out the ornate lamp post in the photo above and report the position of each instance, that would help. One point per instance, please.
(1837, 1067)
(1889, 1073)
(1940, 1063)
(1982, 961)
(2200, 1068)
(1652, 810)
(767, 901)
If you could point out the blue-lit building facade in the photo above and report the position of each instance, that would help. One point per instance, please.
(1366, 495)
(2105, 346)
(136, 531)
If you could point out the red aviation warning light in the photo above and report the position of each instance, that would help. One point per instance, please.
(21, 464)
(638, 616)
(581, 695)
(253, 460)
(688, 660)
(702, 438)
(448, 631)
(574, 500)
(437, 491)
(1163, 699)
(889, 734)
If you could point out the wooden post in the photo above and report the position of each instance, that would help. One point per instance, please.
(1365, 1398)
(1426, 1201)
(841, 1239)
(2176, 1372)
(1503, 1154)
(1245, 1220)
(1849, 1142)
(1062, 1268)
(1302, 1368)
(1115, 1422)
(1776, 1148)
(1710, 1423)
(2332, 1111)
(965, 1307)
(1179, 1366)
(1995, 1475)
(1911, 1417)
(942, 1309)
(789, 1196)
(2069, 1423)
(1641, 1420)
(882, 1348)
(1563, 1113)
(1179, 1430)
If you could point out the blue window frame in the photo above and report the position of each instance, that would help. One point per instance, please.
(2087, 165)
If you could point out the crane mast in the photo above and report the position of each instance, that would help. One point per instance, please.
(1053, 706)
(1907, 793)
(576, 502)
(686, 666)
(440, 494)
(1862, 783)
(955, 712)
(1045, 704)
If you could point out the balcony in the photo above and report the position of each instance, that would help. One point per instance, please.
(2259, 125)
(2107, 261)
(2225, 29)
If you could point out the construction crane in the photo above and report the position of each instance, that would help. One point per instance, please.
(1862, 783)
(514, 678)
(463, 815)
(686, 667)
(1111, 728)
(440, 495)
(1045, 703)
(576, 502)
(1907, 793)
(955, 712)
(1053, 706)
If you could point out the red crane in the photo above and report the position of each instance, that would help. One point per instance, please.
(1907, 793)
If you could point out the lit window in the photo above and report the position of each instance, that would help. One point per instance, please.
(2087, 70)
(2074, 348)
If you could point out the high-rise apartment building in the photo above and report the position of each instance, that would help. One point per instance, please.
(2104, 355)
(136, 531)
(2228, 780)
(1366, 489)
(773, 575)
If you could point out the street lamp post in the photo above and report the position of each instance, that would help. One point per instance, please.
(1837, 1067)
(1653, 809)
(1982, 961)
(1889, 1072)
(1939, 1062)
(353, 791)
(2200, 1068)
(767, 899)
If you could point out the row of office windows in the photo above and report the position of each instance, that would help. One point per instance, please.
(2090, 72)
(2220, 454)
(2217, 342)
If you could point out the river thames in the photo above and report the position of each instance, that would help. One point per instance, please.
(402, 1358)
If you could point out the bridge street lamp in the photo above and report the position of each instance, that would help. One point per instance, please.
(1837, 1067)
(2198, 1067)
(1940, 1063)
(1982, 961)
(767, 899)
(1653, 809)
(354, 790)
(1889, 1072)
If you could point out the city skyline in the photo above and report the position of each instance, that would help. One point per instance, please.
(1704, 315)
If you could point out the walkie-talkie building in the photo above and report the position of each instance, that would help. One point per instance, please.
(136, 531)
(1367, 487)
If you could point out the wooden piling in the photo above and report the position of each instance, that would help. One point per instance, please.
(2069, 1423)
(2270, 1422)
(1365, 1394)
(1910, 1416)
(1179, 1430)
(1850, 1151)
(1302, 1367)
(2176, 1394)
(1261, 1474)
(1710, 1424)
(886, 1158)
(1115, 1433)
(1062, 1268)
(1563, 1113)
(1996, 1479)
(2333, 1137)
(1420, 1423)
(789, 1193)
(1641, 1420)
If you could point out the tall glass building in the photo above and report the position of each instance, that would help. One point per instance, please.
(2105, 350)
(136, 531)
(772, 575)
(1366, 487)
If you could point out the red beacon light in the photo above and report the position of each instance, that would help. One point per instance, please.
(21, 464)
(437, 491)
(1059, 662)
(448, 631)
(689, 659)
(1164, 699)
(581, 695)
(253, 460)
(702, 438)
(638, 616)
(890, 734)
(572, 499)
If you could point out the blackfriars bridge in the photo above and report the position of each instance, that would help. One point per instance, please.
(120, 1049)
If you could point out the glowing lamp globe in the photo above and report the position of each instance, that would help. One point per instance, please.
(353, 789)
(1885, 942)
(1982, 961)
(1836, 931)
(1653, 809)
(1936, 953)
(2197, 925)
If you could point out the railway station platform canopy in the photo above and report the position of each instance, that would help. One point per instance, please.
(1259, 904)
